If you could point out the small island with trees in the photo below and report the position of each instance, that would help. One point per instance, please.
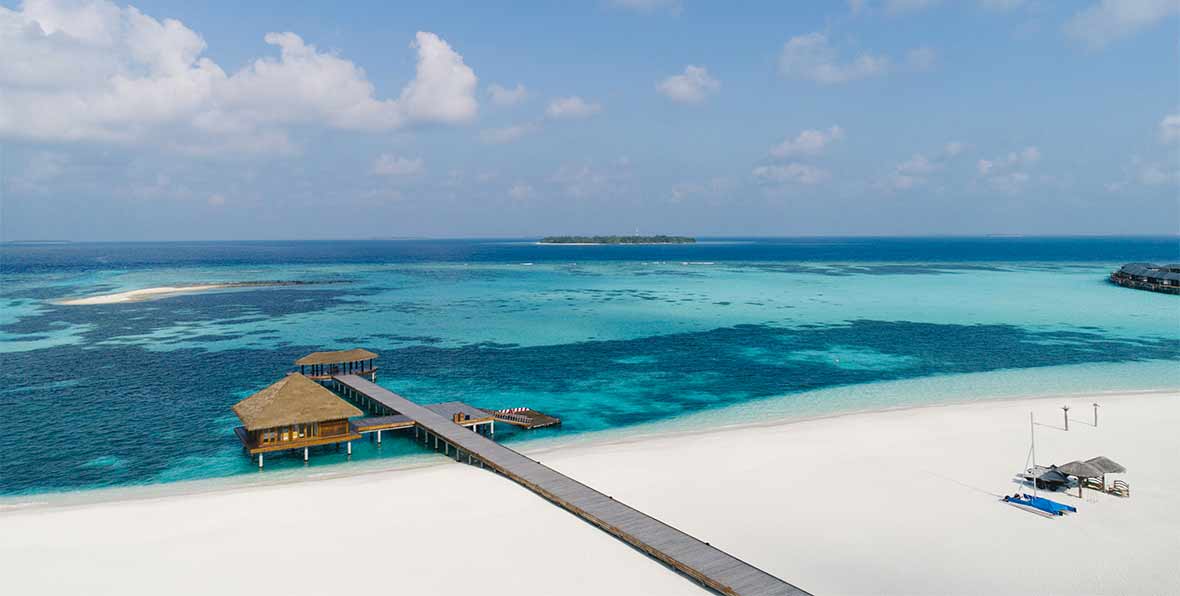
(617, 240)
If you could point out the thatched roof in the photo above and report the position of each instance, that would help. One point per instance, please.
(337, 357)
(1080, 469)
(1107, 465)
(294, 399)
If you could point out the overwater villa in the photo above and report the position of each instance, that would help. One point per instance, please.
(294, 412)
(322, 366)
(1149, 276)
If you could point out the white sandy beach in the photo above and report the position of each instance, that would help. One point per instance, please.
(140, 294)
(897, 502)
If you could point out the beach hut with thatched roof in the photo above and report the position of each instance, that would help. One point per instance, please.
(1108, 466)
(1082, 471)
(322, 366)
(295, 412)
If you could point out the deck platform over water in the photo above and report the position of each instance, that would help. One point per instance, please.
(698, 560)
(526, 418)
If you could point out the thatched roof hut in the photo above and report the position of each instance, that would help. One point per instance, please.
(336, 357)
(1107, 465)
(1080, 469)
(294, 399)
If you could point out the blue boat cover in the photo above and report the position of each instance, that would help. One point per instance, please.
(1041, 503)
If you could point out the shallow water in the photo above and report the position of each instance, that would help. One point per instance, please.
(611, 339)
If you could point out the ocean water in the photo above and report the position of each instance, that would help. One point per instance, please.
(614, 340)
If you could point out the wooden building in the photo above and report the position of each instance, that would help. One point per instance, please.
(322, 366)
(294, 413)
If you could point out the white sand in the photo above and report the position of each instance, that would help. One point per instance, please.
(900, 502)
(141, 294)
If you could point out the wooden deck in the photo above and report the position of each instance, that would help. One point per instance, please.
(292, 444)
(698, 560)
(525, 418)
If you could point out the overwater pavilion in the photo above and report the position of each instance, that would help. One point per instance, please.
(294, 413)
(322, 366)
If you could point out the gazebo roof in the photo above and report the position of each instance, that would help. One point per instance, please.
(1080, 469)
(294, 399)
(337, 357)
(1107, 465)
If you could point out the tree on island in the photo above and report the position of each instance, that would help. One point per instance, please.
(661, 239)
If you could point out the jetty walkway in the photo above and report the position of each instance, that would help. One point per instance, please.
(708, 565)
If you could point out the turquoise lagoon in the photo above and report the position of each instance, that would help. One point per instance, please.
(615, 340)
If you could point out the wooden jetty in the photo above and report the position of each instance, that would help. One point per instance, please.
(706, 564)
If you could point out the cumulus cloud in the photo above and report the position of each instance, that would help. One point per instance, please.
(918, 169)
(808, 142)
(792, 173)
(691, 86)
(811, 57)
(1107, 21)
(571, 107)
(92, 71)
(1010, 172)
(1170, 128)
(393, 165)
(506, 134)
(503, 96)
(587, 179)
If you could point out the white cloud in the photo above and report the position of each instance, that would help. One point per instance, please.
(810, 57)
(1170, 128)
(692, 86)
(503, 96)
(808, 142)
(521, 191)
(918, 169)
(586, 179)
(714, 189)
(856, 6)
(792, 173)
(1010, 172)
(571, 107)
(649, 6)
(1109, 20)
(91, 71)
(393, 165)
(918, 164)
(507, 134)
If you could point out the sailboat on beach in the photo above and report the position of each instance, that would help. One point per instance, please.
(1034, 503)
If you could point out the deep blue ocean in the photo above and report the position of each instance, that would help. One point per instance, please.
(612, 339)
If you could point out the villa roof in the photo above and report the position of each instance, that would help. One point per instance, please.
(294, 399)
(337, 357)
(1151, 270)
(1107, 465)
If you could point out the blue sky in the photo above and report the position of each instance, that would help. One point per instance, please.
(180, 120)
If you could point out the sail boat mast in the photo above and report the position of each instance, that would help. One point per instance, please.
(1032, 435)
